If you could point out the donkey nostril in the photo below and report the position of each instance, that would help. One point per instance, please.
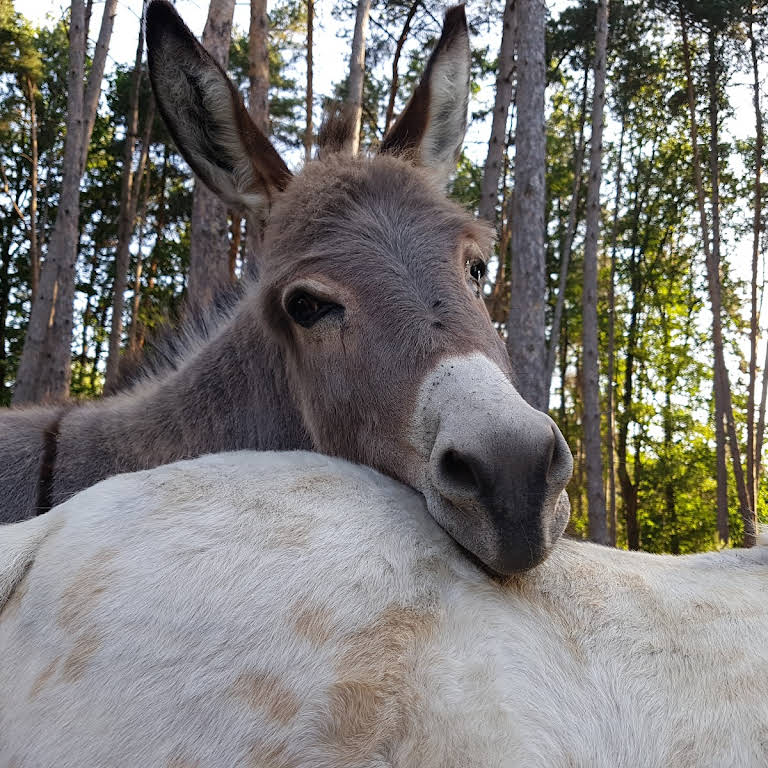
(459, 471)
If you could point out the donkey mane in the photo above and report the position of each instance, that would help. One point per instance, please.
(174, 341)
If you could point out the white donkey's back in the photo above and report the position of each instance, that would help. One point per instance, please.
(285, 610)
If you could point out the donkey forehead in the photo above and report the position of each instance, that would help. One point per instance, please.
(380, 207)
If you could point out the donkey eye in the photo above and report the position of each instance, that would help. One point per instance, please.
(476, 272)
(477, 269)
(306, 309)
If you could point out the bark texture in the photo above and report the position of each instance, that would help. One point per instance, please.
(591, 421)
(753, 447)
(610, 400)
(761, 417)
(258, 65)
(93, 88)
(34, 248)
(308, 129)
(526, 340)
(209, 247)
(258, 108)
(489, 189)
(354, 106)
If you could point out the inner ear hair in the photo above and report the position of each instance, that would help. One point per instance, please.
(206, 116)
(431, 128)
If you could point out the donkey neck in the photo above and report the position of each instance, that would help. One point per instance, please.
(231, 394)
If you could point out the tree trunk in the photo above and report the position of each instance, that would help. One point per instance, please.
(209, 246)
(258, 65)
(629, 493)
(88, 312)
(563, 370)
(590, 333)
(93, 88)
(752, 446)
(5, 291)
(104, 304)
(505, 69)
(128, 202)
(723, 525)
(610, 446)
(34, 248)
(44, 370)
(570, 233)
(357, 75)
(308, 130)
(133, 335)
(394, 83)
(258, 107)
(670, 501)
(497, 302)
(722, 495)
(526, 335)
(761, 420)
(713, 279)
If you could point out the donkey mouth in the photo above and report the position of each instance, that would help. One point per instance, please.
(501, 542)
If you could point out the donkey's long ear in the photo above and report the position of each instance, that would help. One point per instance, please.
(206, 117)
(432, 125)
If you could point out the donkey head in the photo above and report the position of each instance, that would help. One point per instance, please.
(371, 287)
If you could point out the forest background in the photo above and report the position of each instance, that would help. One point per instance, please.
(617, 147)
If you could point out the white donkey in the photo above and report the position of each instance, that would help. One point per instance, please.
(285, 610)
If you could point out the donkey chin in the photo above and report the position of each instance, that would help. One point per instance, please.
(494, 469)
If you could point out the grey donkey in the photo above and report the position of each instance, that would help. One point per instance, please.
(365, 336)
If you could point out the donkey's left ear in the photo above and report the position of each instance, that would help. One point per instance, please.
(432, 126)
(206, 117)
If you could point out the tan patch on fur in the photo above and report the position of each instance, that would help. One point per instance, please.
(89, 583)
(262, 756)
(43, 678)
(373, 703)
(312, 622)
(262, 691)
(86, 645)
(312, 483)
(287, 535)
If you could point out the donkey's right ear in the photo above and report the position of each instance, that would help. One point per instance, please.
(431, 127)
(206, 116)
